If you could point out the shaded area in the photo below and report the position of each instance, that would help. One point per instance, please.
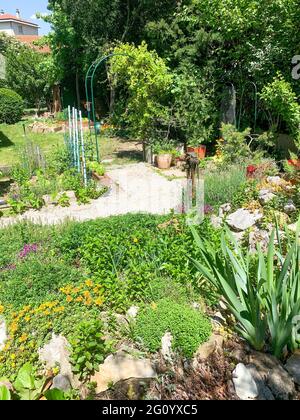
(5, 141)
(4, 186)
(135, 155)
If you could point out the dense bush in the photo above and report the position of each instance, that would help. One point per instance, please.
(11, 106)
(189, 328)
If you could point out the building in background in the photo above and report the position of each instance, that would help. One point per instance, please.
(16, 26)
(22, 29)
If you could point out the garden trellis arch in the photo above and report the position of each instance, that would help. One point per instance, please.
(90, 97)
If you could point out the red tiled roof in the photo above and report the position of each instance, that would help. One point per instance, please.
(29, 39)
(7, 16)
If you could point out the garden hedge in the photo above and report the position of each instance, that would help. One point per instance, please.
(11, 106)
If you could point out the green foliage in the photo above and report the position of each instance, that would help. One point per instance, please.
(188, 327)
(96, 167)
(193, 113)
(264, 296)
(63, 200)
(4, 393)
(147, 81)
(233, 146)
(30, 73)
(35, 279)
(11, 106)
(27, 386)
(222, 184)
(88, 348)
(281, 102)
(125, 253)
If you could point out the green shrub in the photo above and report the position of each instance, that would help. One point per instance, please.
(11, 106)
(189, 328)
(88, 348)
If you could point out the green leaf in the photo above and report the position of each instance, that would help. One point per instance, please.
(55, 395)
(4, 393)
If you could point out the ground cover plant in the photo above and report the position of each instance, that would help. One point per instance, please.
(189, 328)
(53, 277)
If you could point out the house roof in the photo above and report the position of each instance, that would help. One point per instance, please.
(29, 39)
(8, 17)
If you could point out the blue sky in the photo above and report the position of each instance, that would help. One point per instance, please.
(27, 8)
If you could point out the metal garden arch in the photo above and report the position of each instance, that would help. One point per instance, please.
(89, 91)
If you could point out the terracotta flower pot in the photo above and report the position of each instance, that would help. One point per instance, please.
(295, 163)
(200, 151)
(164, 161)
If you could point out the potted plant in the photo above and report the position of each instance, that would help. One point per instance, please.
(195, 147)
(164, 154)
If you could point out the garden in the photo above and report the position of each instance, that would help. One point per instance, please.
(110, 287)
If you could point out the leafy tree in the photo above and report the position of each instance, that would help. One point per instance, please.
(147, 81)
(30, 73)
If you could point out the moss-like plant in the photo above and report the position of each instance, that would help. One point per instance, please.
(189, 328)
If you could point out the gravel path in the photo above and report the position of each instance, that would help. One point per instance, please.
(135, 188)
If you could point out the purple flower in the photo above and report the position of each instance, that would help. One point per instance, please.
(28, 249)
(208, 209)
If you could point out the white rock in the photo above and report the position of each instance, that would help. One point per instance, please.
(261, 237)
(225, 208)
(132, 312)
(293, 227)
(57, 352)
(244, 384)
(290, 207)
(3, 333)
(166, 346)
(243, 219)
(265, 196)
(216, 221)
(121, 366)
(275, 180)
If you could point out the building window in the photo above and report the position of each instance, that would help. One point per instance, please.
(20, 30)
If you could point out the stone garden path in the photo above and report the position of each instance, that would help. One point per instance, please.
(135, 188)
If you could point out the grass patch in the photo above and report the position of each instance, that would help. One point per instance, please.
(12, 140)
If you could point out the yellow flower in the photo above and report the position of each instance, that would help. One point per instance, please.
(86, 294)
(23, 338)
(47, 312)
(69, 298)
(59, 309)
(13, 356)
(27, 318)
(1, 309)
(89, 283)
(14, 327)
(13, 365)
(95, 289)
(135, 240)
(99, 301)
(79, 299)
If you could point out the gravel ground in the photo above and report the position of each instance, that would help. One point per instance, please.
(135, 188)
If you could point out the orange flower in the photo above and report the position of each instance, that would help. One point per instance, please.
(69, 298)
